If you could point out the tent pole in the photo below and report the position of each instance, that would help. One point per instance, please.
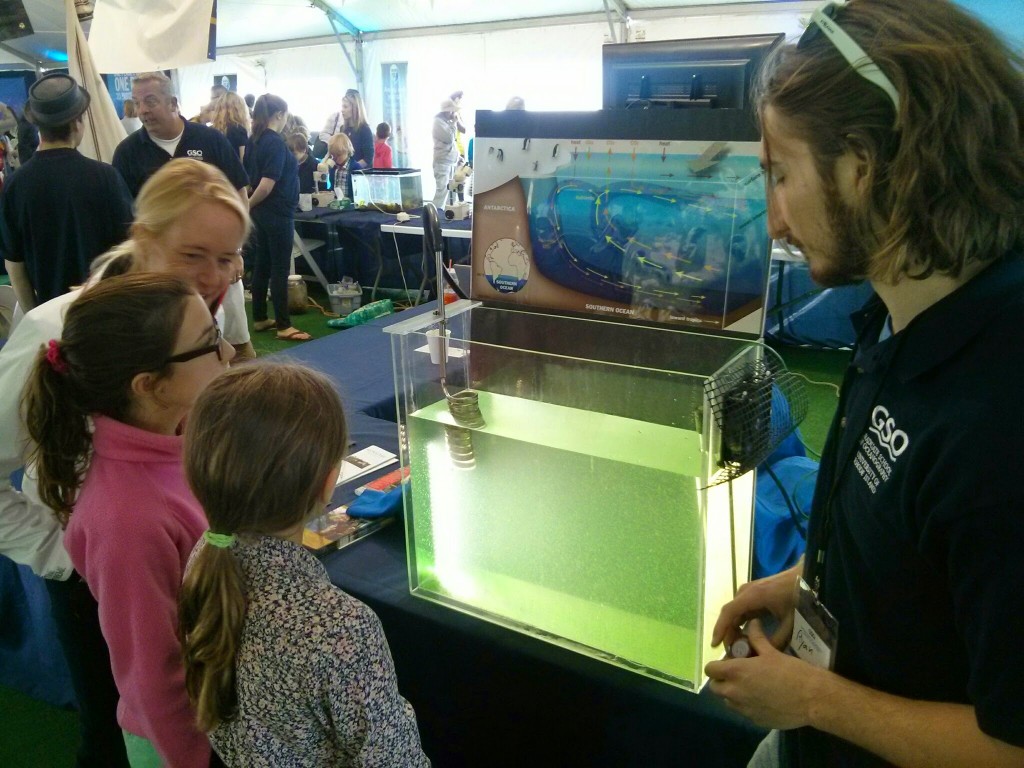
(23, 56)
(336, 18)
(617, 8)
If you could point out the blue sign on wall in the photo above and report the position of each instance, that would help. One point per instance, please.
(120, 88)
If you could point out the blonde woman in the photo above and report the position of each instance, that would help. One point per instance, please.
(230, 116)
(258, 613)
(351, 120)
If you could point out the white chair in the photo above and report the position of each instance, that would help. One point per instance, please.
(9, 313)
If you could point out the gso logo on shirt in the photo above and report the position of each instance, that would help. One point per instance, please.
(196, 153)
(895, 441)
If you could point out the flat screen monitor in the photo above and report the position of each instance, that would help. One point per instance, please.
(711, 72)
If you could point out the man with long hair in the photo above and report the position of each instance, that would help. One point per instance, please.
(893, 149)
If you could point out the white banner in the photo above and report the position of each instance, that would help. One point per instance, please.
(103, 129)
(147, 35)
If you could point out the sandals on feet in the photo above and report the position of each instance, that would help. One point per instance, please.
(293, 334)
(264, 325)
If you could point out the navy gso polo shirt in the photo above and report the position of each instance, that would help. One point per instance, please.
(138, 157)
(918, 512)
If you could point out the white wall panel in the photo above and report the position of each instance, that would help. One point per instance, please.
(555, 67)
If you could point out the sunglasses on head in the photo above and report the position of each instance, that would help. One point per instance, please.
(823, 22)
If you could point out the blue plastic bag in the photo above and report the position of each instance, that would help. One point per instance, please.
(371, 504)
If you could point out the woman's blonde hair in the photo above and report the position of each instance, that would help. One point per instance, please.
(169, 195)
(113, 331)
(227, 110)
(259, 446)
(358, 118)
(947, 168)
(129, 108)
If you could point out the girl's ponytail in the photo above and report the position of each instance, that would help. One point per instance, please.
(59, 429)
(211, 613)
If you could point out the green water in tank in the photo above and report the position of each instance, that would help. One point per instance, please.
(582, 525)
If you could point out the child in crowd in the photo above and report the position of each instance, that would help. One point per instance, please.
(104, 406)
(307, 163)
(274, 176)
(381, 149)
(339, 148)
(283, 668)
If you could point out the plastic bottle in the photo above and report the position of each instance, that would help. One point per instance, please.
(364, 314)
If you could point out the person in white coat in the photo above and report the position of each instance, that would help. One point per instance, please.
(446, 152)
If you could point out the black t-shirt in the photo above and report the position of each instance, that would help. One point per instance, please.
(237, 136)
(59, 212)
(137, 157)
(306, 170)
(269, 158)
(920, 482)
(28, 140)
(362, 143)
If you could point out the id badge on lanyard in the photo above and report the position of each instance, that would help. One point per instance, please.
(815, 630)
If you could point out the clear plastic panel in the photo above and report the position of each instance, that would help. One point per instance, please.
(582, 514)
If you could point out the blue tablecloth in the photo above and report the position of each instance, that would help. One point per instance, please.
(31, 659)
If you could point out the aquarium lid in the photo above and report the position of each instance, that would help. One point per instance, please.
(386, 171)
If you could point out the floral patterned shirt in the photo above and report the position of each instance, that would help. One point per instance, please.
(315, 680)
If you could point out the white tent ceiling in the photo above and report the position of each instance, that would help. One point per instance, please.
(262, 23)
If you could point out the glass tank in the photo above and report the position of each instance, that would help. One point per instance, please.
(579, 499)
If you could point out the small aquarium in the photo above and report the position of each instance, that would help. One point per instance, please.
(583, 506)
(389, 190)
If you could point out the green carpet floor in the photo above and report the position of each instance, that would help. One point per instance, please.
(36, 735)
(313, 321)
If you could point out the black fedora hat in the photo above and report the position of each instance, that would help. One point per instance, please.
(55, 99)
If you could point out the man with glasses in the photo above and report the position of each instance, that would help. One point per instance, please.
(893, 147)
(165, 135)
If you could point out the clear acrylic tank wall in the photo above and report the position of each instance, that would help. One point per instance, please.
(583, 510)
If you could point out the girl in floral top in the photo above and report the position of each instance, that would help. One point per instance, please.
(283, 668)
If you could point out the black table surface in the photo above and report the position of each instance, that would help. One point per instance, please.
(374, 260)
(356, 217)
(486, 695)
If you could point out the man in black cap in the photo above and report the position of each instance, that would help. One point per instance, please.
(61, 209)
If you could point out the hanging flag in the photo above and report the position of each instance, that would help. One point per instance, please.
(211, 49)
(394, 78)
(103, 129)
(147, 35)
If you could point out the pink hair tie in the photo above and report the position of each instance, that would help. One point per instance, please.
(55, 358)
